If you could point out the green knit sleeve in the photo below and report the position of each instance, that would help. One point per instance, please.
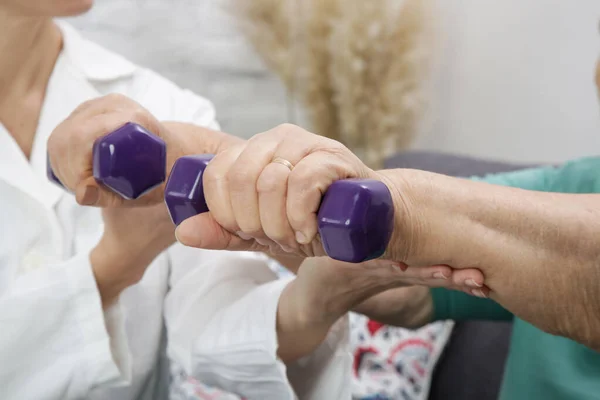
(459, 306)
(578, 176)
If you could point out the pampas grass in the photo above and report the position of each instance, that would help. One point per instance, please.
(357, 66)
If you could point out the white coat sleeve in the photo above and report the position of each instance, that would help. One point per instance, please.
(56, 342)
(221, 321)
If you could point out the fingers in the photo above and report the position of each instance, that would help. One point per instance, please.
(242, 179)
(70, 146)
(309, 181)
(272, 197)
(217, 188)
(253, 197)
(470, 281)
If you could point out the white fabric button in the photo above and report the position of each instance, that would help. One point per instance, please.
(32, 261)
(35, 259)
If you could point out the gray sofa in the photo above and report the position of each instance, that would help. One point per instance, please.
(472, 365)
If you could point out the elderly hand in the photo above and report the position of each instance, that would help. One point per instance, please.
(70, 146)
(265, 193)
(325, 290)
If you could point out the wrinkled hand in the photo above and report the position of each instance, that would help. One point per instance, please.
(324, 290)
(70, 146)
(258, 204)
(408, 306)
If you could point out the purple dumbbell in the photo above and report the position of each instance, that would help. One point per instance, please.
(355, 218)
(130, 161)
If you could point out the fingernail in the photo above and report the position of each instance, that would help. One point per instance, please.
(90, 196)
(396, 266)
(262, 242)
(440, 275)
(471, 283)
(287, 249)
(243, 236)
(301, 238)
(478, 293)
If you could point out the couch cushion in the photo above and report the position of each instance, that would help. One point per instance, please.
(449, 164)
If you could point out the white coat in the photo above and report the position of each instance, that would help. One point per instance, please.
(208, 315)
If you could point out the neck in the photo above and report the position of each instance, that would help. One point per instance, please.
(33, 45)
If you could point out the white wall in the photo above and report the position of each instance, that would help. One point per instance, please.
(513, 79)
(195, 44)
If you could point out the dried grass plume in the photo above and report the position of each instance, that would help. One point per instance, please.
(357, 66)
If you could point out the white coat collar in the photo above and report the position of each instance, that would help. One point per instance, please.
(95, 62)
(80, 65)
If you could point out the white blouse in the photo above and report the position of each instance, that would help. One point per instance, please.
(211, 314)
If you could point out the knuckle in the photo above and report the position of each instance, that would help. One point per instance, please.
(240, 177)
(83, 106)
(302, 178)
(286, 130)
(141, 116)
(55, 143)
(116, 98)
(270, 182)
(213, 175)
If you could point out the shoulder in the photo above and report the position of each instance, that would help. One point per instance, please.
(109, 72)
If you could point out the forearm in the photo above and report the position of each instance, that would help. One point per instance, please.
(116, 268)
(188, 139)
(298, 335)
(539, 251)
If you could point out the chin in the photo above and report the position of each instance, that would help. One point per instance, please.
(71, 8)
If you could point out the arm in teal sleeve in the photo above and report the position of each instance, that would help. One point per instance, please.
(579, 176)
(459, 306)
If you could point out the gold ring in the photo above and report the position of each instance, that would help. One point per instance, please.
(284, 162)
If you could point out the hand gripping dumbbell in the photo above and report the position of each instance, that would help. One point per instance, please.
(355, 218)
(130, 161)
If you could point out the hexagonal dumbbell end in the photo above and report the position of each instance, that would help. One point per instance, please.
(356, 220)
(184, 193)
(130, 161)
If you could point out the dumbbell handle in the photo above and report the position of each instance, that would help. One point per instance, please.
(355, 218)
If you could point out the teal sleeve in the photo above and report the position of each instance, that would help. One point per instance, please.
(459, 306)
(579, 176)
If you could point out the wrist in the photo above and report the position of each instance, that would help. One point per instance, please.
(116, 269)
(408, 236)
(299, 330)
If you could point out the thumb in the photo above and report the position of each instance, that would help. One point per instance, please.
(203, 231)
(90, 193)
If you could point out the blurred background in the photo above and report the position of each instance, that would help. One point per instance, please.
(506, 80)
